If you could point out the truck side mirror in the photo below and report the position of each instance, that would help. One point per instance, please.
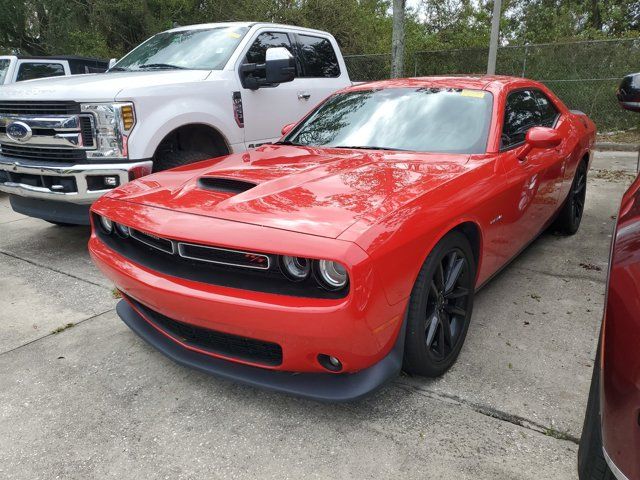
(629, 92)
(112, 62)
(280, 67)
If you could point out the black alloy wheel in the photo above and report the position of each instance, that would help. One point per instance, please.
(440, 307)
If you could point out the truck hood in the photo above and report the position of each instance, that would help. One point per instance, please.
(96, 87)
(308, 190)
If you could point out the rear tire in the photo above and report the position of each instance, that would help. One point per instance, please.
(172, 159)
(570, 216)
(440, 307)
(591, 462)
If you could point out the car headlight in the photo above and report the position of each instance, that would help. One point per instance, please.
(296, 268)
(106, 224)
(332, 275)
(113, 124)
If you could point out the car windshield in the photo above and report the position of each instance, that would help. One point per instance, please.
(4, 68)
(417, 119)
(198, 49)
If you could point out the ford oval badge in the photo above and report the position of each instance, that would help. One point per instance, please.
(19, 131)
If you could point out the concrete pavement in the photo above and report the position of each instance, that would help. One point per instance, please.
(94, 401)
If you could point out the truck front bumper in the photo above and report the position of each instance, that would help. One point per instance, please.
(80, 183)
(62, 192)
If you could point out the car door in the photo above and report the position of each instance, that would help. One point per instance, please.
(269, 108)
(532, 180)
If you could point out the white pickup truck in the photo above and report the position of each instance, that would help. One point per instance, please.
(18, 68)
(183, 95)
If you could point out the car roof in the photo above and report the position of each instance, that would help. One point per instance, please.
(54, 57)
(201, 26)
(477, 82)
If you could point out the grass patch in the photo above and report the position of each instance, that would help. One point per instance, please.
(115, 293)
(552, 432)
(62, 328)
(625, 136)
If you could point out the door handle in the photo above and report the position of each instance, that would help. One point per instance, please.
(304, 95)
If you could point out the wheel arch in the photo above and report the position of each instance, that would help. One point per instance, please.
(196, 136)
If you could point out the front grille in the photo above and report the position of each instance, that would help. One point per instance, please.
(212, 265)
(233, 346)
(38, 108)
(39, 153)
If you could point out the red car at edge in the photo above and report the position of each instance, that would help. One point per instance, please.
(610, 443)
(323, 264)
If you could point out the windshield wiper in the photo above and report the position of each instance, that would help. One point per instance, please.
(363, 147)
(287, 142)
(163, 66)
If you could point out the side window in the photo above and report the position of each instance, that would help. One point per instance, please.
(548, 111)
(521, 113)
(29, 71)
(317, 57)
(258, 51)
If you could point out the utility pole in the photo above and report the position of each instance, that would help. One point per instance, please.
(495, 34)
(397, 39)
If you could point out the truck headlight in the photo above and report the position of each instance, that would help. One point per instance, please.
(113, 125)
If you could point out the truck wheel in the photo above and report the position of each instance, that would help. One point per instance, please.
(570, 216)
(167, 160)
(591, 462)
(440, 307)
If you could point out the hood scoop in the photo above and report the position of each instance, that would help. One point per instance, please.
(225, 185)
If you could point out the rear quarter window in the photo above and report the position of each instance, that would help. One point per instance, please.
(317, 57)
(30, 71)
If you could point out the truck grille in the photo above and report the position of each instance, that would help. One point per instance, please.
(39, 108)
(40, 153)
(226, 344)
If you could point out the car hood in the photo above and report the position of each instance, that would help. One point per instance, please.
(97, 87)
(315, 191)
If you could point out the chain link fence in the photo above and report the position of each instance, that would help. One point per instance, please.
(584, 75)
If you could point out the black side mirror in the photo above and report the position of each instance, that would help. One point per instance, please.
(279, 67)
(629, 92)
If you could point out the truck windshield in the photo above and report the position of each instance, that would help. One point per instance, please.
(416, 119)
(4, 68)
(198, 49)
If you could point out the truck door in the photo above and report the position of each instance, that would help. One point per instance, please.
(269, 108)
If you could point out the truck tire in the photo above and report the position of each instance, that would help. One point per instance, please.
(167, 160)
(591, 462)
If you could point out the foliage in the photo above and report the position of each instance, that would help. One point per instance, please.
(110, 28)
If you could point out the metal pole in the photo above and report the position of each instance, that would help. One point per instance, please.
(495, 33)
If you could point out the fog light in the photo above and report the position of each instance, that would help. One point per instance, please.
(111, 181)
(329, 362)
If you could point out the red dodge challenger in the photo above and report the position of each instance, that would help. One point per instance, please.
(325, 263)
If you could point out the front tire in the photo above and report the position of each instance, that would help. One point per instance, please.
(591, 462)
(440, 307)
(570, 215)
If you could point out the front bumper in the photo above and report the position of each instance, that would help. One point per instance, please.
(36, 179)
(317, 386)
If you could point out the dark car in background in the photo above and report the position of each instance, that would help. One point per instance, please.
(610, 444)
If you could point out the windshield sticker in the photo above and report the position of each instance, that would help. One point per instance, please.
(472, 93)
(233, 35)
